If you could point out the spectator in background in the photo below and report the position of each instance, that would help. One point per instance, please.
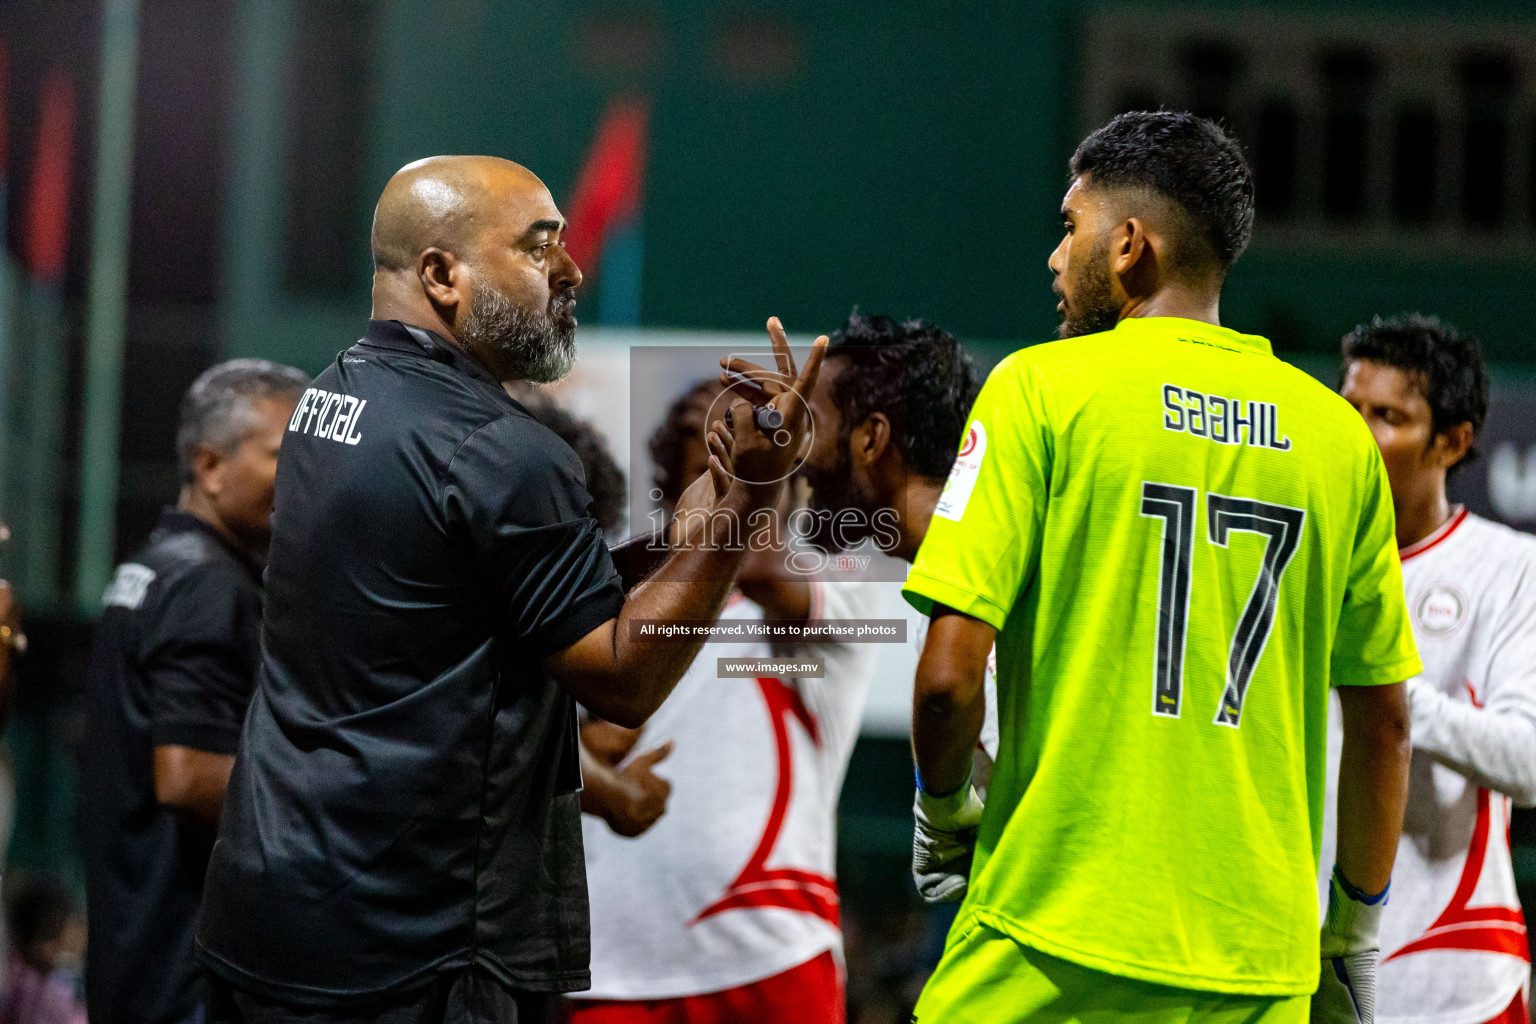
(171, 674)
(45, 938)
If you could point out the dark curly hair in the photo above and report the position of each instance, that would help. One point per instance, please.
(667, 442)
(1187, 160)
(605, 480)
(1445, 365)
(914, 373)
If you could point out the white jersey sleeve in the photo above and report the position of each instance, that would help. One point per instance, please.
(989, 732)
(1493, 745)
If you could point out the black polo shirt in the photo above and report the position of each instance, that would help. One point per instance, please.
(405, 798)
(173, 663)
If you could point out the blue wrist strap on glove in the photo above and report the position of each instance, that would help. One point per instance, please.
(917, 777)
(1356, 894)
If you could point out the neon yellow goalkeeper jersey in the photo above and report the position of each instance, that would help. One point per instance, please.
(1182, 540)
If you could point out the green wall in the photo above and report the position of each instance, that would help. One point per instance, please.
(910, 159)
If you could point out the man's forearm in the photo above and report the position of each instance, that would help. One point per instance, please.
(943, 735)
(949, 700)
(624, 676)
(693, 583)
(1373, 783)
(1493, 746)
(768, 581)
(601, 788)
(192, 782)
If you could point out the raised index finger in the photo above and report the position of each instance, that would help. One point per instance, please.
(781, 351)
(806, 382)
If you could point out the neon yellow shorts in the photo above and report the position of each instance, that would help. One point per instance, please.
(985, 976)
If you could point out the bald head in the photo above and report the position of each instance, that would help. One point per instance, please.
(472, 247)
(447, 202)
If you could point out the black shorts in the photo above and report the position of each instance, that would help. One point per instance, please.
(464, 996)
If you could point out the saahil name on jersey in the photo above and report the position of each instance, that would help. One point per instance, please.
(1223, 420)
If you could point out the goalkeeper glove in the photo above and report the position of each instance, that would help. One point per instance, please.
(943, 841)
(1346, 992)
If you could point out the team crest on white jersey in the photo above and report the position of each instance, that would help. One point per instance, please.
(1440, 609)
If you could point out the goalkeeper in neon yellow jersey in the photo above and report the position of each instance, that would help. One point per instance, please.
(1178, 543)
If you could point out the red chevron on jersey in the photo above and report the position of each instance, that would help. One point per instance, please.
(790, 888)
(1491, 929)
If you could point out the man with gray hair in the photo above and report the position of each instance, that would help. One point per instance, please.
(171, 674)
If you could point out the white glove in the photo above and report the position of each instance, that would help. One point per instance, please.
(1346, 992)
(943, 841)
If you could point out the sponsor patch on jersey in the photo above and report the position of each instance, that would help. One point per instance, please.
(1440, 609)
(129, 586)
(962, 476)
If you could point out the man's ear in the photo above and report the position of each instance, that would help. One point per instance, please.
(871, 439)
(1133, 257)
(208, 471)
(1452, 444)
(441, 276)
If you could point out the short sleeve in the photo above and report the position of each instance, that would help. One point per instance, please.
(514, 492)
(199, 658)
(983, 541)
(1374, 645)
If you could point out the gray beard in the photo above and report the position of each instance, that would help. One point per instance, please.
(538, 347)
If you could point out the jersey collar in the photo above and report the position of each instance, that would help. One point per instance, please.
(174, 520)
(401, 337)
(1196, 331)
(1444, 530)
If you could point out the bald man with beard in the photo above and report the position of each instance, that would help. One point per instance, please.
(401, 836)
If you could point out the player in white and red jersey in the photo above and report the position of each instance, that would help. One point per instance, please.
(1454, 948)
(742, 900)
(890, 408)
(735, 884)
(727, 908)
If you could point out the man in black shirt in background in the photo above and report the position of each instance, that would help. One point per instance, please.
(401, 841)
(171, 674)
